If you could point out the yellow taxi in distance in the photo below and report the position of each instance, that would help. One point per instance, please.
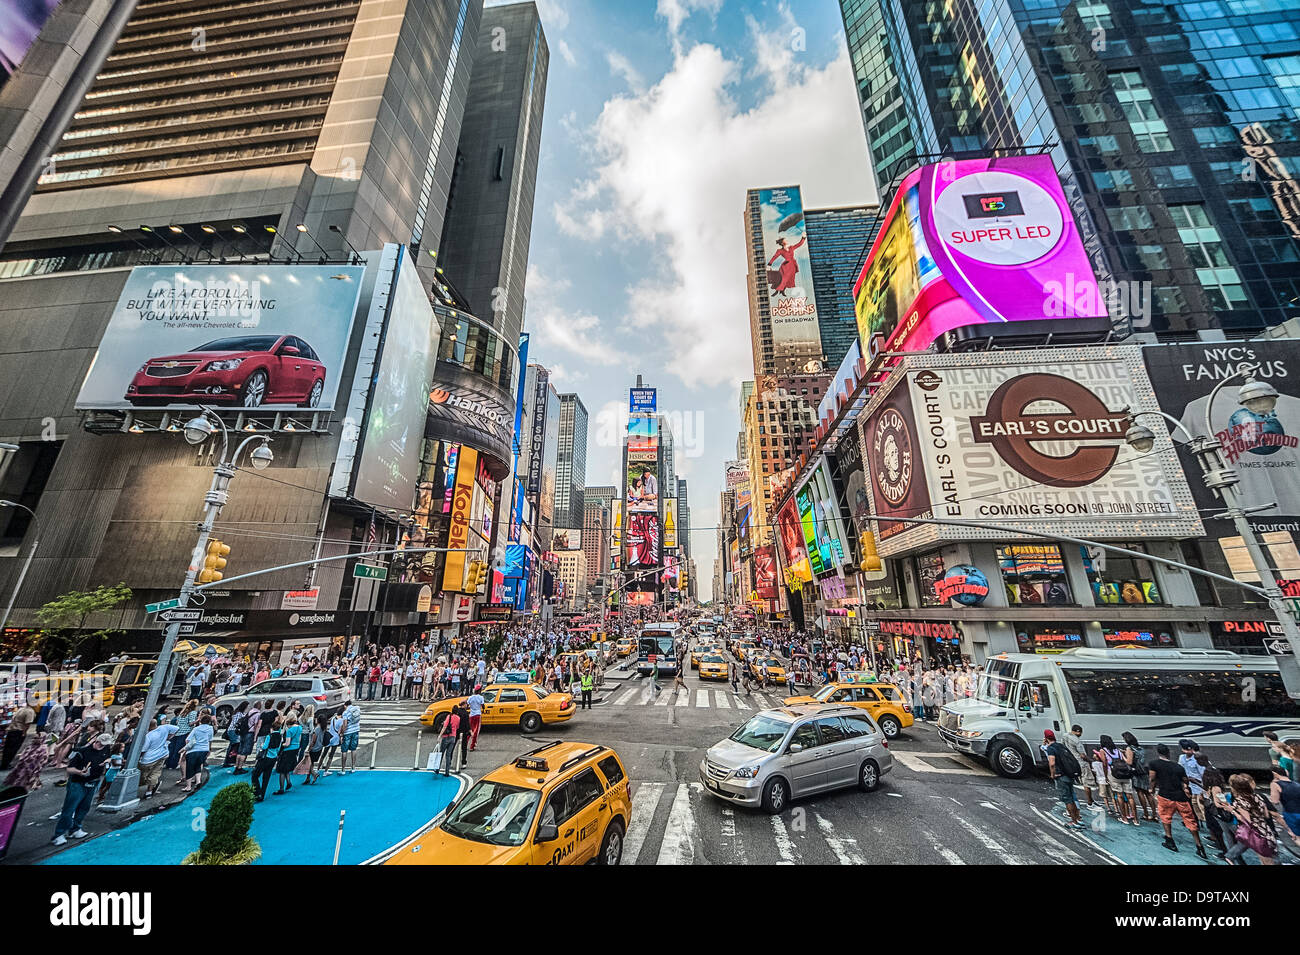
(714, 667)
(769, 668)
(703, 650)
(626, 647)
(84, 685)
(510, 704)
(559, 804)
(883, 701)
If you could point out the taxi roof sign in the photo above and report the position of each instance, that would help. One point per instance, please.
(533, 762)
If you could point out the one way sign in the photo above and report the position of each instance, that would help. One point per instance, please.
(1278, 647)
(183, 616)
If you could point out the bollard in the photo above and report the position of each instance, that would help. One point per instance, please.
(374, 748)
(338, 840)
(418, 734)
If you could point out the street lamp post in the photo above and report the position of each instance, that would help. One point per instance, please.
(124, 791)
(22, 574)
(1260, 398)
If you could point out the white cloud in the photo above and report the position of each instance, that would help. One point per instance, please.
(672, 167)
(553, 325)
(565, 52)
(622, 67)
(676, 12)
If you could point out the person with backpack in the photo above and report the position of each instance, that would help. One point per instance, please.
(1119, 776)
(1141, 781)
(232, 734)
(1064, 769)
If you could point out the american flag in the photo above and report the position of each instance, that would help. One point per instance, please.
(372, 542)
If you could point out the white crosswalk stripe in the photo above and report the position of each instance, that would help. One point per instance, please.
(723, 702)
(644, 800)
(702, 699)
(624, 698)
(682, 699)
(678, 846)
(663, 699)
(844, 846)
(740, 704)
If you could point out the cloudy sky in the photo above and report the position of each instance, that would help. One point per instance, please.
(659, 115)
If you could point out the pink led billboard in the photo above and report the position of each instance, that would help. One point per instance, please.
(976, 242)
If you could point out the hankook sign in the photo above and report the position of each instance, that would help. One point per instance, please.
(1026, 439)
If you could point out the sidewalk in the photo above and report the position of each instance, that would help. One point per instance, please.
(383, 808)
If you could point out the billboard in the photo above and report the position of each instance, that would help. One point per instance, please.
(616, 532)
(1263, 449)
(642, 434)
(744, 520)
(670, 523)
(641, 401)
(824, 535)
(566, 539)
(389, 462)
(458, 531)
(765, 572)
(537, 437)
(642, 488)
(1024, 439)
(643, 540)
(793, 548)
(792, 304)
(230, 336)
(20, 24)
(976, 242)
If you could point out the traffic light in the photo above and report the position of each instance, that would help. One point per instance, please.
(476, 576)
(214, 563)
(870, 559)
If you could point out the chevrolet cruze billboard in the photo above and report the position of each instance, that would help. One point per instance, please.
(977, 248)
(237, 336)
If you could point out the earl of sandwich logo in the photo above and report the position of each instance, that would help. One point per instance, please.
(78, 909)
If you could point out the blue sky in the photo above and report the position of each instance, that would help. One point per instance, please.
(659, 115)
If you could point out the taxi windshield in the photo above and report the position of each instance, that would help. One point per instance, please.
(493, 813)
(762, 732)
(712, 658)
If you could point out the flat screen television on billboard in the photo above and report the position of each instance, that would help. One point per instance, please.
(233, 336)
(978, 248)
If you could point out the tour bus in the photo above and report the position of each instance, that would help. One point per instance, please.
(1222, 700)
(657, 641)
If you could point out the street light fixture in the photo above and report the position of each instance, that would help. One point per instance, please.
(261, 456)
(1257, 397)
(198, 430)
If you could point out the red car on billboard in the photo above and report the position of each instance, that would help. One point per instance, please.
(247, 371)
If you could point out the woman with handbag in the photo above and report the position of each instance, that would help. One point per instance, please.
(1119, 777)
(1254, 823)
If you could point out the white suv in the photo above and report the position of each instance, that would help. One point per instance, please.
(326, 691)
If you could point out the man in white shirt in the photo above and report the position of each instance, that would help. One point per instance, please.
(351, 735)
(154, 756)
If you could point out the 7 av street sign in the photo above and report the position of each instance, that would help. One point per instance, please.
(370, 571)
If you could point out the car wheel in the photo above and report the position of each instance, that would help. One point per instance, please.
(530, 722)
(889, 726)
(223, 716)
(1008, 760)
(868, 776)
(611, 847)
(438, 721)
(775, 795)
(313, 399)
(255, 389)
(122, 697)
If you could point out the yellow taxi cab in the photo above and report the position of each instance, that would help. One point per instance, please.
(883, 701)
(626, 647)
(743, 647)
(713, 666)
(510, 704)
(559, 804)
(703, 650)
(62, 684)
(768, 668)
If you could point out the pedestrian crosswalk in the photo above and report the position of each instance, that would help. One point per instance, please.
(701, 698)
(682, 824)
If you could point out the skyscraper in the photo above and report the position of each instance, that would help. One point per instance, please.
(490, 212)
(571, 463)
(683, 517)
(1176, 130)
(838, 241)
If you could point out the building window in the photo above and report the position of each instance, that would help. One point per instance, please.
(1136, 102)
(1033, 574)
(1117, 579)
(1205, 251)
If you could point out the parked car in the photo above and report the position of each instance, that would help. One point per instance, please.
(245, 372)
(327, 692)
(783, 754)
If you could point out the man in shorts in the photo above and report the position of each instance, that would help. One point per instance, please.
(1088, 780)
(153, 757)
(351, 736)
(1173, 795)
(1063, 780)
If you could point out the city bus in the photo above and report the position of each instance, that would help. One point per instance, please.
(657, 643)
(1222, 700)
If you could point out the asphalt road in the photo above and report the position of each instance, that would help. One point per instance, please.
(933, 808)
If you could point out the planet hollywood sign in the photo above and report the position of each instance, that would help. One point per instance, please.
(920, 628)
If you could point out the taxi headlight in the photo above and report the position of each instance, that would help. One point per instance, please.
(747, 772)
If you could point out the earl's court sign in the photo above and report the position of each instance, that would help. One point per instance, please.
(1030, 439)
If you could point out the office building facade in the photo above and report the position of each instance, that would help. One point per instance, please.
(838, 243)
(571, 463)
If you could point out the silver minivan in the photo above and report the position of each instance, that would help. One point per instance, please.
(795, 751)
(326, 691)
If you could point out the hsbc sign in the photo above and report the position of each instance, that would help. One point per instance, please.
(1025, 439)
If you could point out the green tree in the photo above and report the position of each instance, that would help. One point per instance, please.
(63, 620)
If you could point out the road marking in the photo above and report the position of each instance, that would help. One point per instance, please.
(728, 829)
(784, 847)
(663, 699)
(1053, 849)
(723, 702)
(677, 847)
(624, 698)
(984, 839)
(949, 856)
(740, 704)
(702, 699)
(844, 847)
(917, 763)
(644, 801)
(1079, 836)
(683, 700)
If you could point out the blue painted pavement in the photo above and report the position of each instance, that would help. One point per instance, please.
(298, 828)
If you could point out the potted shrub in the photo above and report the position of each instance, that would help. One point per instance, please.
(227, 841)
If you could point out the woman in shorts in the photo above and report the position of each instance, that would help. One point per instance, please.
(1119, 776)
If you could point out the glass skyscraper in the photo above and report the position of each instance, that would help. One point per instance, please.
(1175, 127)
(838, 242)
